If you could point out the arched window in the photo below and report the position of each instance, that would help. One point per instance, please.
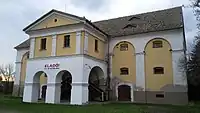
(157, 44)
(124, 47)
(124, 71)
(158, 70)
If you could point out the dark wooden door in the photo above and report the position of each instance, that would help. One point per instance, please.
(124, 93)
(44, 88)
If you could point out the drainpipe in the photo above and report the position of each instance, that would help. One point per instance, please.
(108, 69)
(145, 79)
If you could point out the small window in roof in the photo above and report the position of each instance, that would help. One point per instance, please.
(134, 18)
(130, 26)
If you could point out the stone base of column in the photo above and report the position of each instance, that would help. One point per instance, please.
(79, 94)
(53, 93)
(15, 92)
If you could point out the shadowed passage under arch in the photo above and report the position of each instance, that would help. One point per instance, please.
(96, 83)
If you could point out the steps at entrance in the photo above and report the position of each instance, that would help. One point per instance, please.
(96, 93)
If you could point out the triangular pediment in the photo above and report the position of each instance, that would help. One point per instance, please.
(53, 19)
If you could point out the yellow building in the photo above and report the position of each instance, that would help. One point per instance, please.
(132, 58)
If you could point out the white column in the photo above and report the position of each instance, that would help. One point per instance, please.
(30, 92)
(78, 42)
(16, 86)
(17, 72)
(32, 47)
(86, 43)
(53, 53)
(18, 63)
(140, 70)
(79, 94)
(179, 78)
(53, 93)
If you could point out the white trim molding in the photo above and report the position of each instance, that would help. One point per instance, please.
(140, 70)
(78, 42)
(54, 38)
(32, 47)
(69, 17)
(86, 43)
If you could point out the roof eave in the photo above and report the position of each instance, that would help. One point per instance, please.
(112, 36)
(95, 27)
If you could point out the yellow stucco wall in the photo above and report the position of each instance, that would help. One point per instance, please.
(43, 53)
(23, 68)
(158, 57)
(91, 47)
(49, 22)
(43, 79)
(61, 50)
(122, 59)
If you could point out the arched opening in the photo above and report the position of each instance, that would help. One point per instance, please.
(124, 93)
(158, 64)
(124, 62)
(65, 78)
(39, 79)
(96, 84)
(23, 73)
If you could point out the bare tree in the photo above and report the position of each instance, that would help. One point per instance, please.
(7, 72)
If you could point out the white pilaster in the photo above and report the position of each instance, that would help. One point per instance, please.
(53, 93)
(53, 52)
(32, 47)
(18, 63)
(179, 78)
(30, 92)
(78, 42)
(86, 43)
(140, 70)
(79, 94)
(17, 72)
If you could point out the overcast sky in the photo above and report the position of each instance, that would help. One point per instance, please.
(17, 14)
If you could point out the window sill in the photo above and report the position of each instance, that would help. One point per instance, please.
(43, 49)
(66, 47)
(124, 74)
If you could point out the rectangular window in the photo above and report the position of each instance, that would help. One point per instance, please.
(124, 71)
(123, 47)
(67, 41)
(43, 44)
(158, 70)
(157, 44)
(96, 45)
(160, 96)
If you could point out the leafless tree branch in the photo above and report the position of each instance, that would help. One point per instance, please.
(6, 71)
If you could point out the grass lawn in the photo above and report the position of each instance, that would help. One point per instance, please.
(15, 105)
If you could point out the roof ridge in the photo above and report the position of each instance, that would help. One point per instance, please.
(161, 10)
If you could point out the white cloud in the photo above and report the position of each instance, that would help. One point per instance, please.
(19, 13)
